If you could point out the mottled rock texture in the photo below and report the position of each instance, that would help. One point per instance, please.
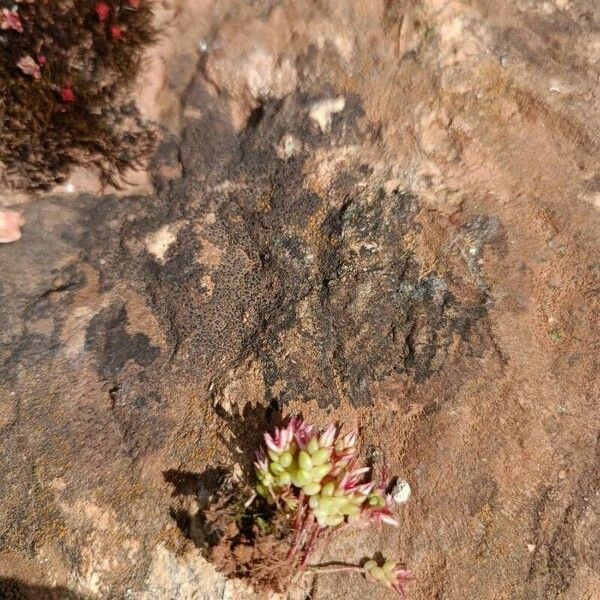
(419, 258)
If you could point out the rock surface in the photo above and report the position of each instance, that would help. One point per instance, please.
(385, 213)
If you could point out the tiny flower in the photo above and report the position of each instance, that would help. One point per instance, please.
(67, 94)
(379, 509)
(327, 437)
(9, 19)
(351, 438)
(134, 3)
(41, 59)
(304, 434)
(279, 441)
(352, 479)
(383, 516)
(29, 67)
(365, 489)
(102, 11)
(261, 461)
(117, 32)
(345, 450)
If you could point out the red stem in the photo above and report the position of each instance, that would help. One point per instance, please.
(311, 545)
(353, 569)
(297, 544)
(300, 512)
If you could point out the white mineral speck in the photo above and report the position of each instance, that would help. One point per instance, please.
(322, 111)
(401, 492)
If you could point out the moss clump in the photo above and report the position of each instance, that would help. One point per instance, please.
(65, 69)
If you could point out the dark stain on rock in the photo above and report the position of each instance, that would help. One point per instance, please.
(482, 492)
(369, 312)
(26, 351)
(141, 402)
(555, 558)
(113, 346)
(329, 301)
(324, 289)
(41, 317)
(210, 143)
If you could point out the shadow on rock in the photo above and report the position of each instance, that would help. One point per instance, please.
(246, 429)
(207, 504)
(193, 493)
(13, 589)
(187, 483)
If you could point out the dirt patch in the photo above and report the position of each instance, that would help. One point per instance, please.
(249, 544)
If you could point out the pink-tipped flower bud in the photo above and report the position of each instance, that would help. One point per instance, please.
(381, 510)
(351, 438)
(9, 19)
(303, 434)
(387, 518)
(278, 442)
(261, 463)
(365, 489)
(327, 437)
(352, 479)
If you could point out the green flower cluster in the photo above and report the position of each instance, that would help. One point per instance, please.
(384, 574)
(376, 499)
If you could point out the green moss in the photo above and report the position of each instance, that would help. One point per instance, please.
(555, 335)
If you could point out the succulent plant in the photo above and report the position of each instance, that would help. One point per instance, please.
(388, 574)
(315, 477)
(317, 473)
(309, 487)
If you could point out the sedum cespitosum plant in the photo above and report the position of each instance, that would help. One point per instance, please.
(315, 477)
(318, 474)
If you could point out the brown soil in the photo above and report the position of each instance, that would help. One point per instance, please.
(243, 549)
